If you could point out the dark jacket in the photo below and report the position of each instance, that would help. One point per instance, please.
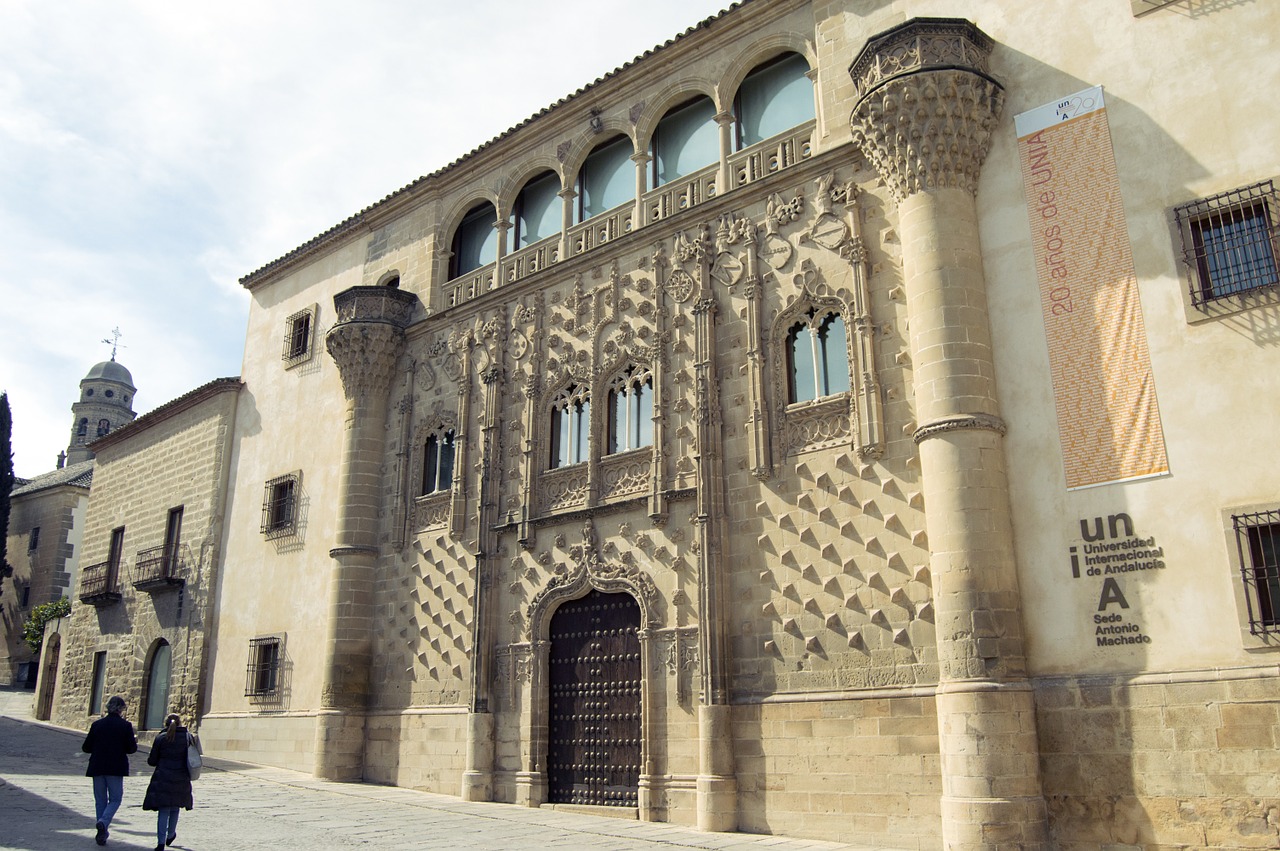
(108, 744)
(170, 785)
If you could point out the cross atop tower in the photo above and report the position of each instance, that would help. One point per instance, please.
(114, 342)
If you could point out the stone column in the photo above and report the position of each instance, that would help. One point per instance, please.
(365, 342)
(925, 112)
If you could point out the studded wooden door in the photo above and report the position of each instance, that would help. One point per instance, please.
(593, 753)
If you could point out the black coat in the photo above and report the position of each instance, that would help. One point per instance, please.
(170, 785)
(108, 744)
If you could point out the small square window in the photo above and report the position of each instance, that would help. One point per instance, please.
(298, 337)
(1258, 548)
(262, 677)
(1229, 243)
(280, 505)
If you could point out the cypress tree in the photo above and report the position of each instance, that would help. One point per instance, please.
(6, 485)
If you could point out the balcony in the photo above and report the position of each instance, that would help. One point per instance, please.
(99, 584)
(772, 155)
(157, 569)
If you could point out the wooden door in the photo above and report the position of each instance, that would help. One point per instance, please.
(594, 745)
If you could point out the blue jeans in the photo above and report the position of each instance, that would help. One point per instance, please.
(107, 791)
(166, 824)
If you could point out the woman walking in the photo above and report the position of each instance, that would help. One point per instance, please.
(170, 786)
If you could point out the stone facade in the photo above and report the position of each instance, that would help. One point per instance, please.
(857, 613)
(143, 613)
(45, 523)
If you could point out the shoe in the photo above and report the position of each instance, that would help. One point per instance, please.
(101, 838)
(159, 848)
(169, 840)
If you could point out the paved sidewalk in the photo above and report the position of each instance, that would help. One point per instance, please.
(47, 803)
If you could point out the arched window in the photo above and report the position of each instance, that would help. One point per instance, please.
(437, 462)
(631, 411)
(819, 358)
(83, 428)
(607, 178)
(104, 426)
(773, 98)
(570, 427)
(685, 140)
(475, 242)
(157, 694)
(538, 211)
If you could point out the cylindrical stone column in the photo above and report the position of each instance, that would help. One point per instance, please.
(924, 117)
(365, 343)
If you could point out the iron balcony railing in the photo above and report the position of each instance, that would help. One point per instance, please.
(157, 569)
(99, 584)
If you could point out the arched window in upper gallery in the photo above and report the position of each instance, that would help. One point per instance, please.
(570, 427)
(685, 140)
(475, 242)
(607, 178)
(83, 428)
(538, 212)
(437, 462)
(631, 410)
(104, 426)
(776, 96)
(817, 357)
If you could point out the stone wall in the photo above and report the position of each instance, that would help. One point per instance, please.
(1180, 761)
(177, 456)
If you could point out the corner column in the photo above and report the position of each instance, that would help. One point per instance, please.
(365, 343)
(924, 117)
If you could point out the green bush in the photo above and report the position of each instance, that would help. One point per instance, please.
(33, 629)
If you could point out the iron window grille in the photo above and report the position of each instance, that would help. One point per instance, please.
(280, 506)
(298, 336)
(1229, 242)
(262, 676)
(1258, 547)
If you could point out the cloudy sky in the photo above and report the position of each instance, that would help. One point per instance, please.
(153, 152)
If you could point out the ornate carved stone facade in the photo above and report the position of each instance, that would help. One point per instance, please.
(753, 409)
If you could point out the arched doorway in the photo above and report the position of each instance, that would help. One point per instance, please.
(156, 705)
(48, 675)
(594, 673)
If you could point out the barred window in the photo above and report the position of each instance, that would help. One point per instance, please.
(437, 462)
(570, 427)
(298, 336)
(818, 357)
(262, 677)
(1258, 546)
(280, 505)
(631, 410)
(1229, 242)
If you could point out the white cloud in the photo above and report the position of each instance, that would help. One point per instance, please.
(152, 153)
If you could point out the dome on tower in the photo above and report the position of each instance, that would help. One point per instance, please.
(110, 370)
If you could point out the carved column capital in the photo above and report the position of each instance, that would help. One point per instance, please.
(368, 337)
(926, 105)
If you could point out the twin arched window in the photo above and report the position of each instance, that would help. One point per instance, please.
(817, 357)
(437, 462)
(570, 427)
(631, 411)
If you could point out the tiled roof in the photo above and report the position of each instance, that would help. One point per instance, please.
(168, 409)
(78, 475)
(343, 228)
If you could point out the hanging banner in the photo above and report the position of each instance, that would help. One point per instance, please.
(1108, 418)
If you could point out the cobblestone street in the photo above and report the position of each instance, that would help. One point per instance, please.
(47, 803)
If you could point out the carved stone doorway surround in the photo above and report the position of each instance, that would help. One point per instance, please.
(574, 583)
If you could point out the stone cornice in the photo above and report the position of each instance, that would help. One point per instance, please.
(926, 106)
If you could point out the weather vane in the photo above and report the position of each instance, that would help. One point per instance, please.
(114, 342)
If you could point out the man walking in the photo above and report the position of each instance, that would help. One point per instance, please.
(109, 743)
